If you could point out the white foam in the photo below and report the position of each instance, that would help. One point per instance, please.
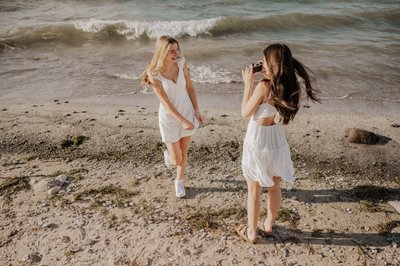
(211, 74)
(147, 90)
(124, 76)
(111, 95)
(153, 29)
(336, 98)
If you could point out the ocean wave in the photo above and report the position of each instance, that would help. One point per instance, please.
(284, 22)
(133, 30)
(78, 32)
(118, 30)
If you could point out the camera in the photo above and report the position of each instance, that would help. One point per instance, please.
(257, 67)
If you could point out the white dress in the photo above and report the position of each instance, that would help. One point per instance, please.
(170, 128)
(266, 152)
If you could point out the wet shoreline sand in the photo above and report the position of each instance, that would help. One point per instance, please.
(117, 205)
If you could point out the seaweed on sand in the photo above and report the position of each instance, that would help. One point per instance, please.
(288, 215)
(386, 228)
(13, 186)
(72, 141)
(208, 218)
(119, 195)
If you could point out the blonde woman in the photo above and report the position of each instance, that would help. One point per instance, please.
(179, 115)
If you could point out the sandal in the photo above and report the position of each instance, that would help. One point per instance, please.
(272, 236)
(241, 230)
(261, 227)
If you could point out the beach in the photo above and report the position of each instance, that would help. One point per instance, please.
(82, 174)
(116, 204)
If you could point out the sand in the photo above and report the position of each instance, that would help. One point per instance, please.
(113, 200)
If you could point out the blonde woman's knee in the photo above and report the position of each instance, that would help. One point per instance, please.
(176, 159)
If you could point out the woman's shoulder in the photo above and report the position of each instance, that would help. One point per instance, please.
(181, 61)
(151, 71)
(264, 85)
(154, 75)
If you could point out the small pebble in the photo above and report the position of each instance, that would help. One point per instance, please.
(126, 242)
(62, 178)
(53, 190)
(88, 242)
(34, 258)
(46, 225)
(65, 239)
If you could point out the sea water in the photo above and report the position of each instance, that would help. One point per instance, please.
(77, 49)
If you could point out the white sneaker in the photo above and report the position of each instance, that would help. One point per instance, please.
(167, 160)
(179, 188)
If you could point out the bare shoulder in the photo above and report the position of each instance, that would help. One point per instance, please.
(185, 67)
(154, 80)
(186, 70)
(263, 87)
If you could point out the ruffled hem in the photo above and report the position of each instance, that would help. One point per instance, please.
(262, 165)
(265, 180)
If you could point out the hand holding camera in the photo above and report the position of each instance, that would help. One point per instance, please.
(248, 76)
(248, 72)
(257, 67)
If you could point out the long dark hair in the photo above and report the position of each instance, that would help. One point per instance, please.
(284, 86)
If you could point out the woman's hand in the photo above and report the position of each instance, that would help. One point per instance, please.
(187, 124)
(199, 117)
(248, 76)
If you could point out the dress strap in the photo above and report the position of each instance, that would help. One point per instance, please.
(157, 76)
(278, 118)
(181, 62)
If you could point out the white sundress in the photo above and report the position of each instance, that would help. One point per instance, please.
(171, 129)
(266, 152)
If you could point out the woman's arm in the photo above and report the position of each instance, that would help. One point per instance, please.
(251, 99)
(192, 93)
(162, 96)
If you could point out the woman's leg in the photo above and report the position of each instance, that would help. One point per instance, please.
(178, 155)
(274, 202)
(180, 169)
(253, 207)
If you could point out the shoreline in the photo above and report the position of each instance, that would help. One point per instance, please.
(210, 100)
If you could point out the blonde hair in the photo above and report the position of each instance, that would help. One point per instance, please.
(163, 45)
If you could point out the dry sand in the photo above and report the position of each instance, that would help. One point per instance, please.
(117, 205)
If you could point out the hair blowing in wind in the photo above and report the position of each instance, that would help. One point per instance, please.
(285, 87)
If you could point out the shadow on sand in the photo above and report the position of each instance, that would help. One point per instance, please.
(319, 196)
(355, 194)
(328, 237)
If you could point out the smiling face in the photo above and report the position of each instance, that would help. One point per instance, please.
(173, 54)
